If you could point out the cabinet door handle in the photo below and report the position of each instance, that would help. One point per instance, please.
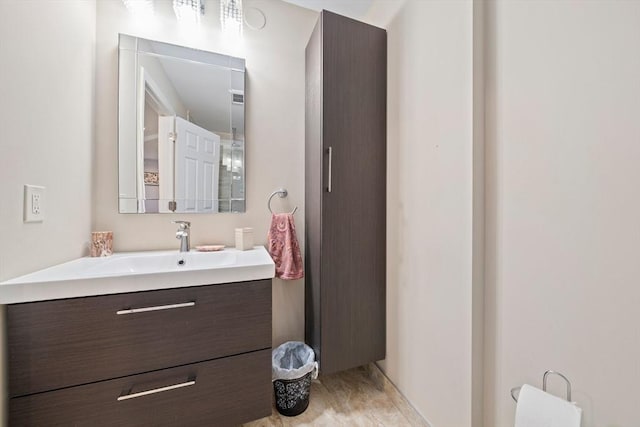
(156, 308)
(330, 158)
(156, 390)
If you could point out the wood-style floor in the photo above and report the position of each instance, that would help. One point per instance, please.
(358, 397)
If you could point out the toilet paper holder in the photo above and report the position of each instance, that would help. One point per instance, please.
(544, 385)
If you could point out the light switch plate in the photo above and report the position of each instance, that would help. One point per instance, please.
(34, 203)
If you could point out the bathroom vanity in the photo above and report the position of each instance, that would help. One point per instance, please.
(194, 354)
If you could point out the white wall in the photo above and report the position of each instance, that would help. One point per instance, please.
(275, 134)
(46, 114)
(430, 204)
(563, 156)
(46, 119)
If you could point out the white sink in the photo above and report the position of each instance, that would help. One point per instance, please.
(155, 262)
(138, 271)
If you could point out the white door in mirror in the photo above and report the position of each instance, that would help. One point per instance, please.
(33, 203)
(197, 163)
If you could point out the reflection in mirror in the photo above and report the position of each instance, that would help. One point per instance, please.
(181, 138)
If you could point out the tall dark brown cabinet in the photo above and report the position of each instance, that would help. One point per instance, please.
(345, 192)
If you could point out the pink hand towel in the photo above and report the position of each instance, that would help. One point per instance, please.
(284, 247)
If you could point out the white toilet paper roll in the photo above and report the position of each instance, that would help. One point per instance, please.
(537, 408)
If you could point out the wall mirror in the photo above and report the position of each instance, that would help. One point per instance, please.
(181, 138)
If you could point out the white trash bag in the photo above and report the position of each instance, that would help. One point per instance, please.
(293, 360)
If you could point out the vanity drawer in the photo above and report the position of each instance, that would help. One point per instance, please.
(223, 392)
(55, 344)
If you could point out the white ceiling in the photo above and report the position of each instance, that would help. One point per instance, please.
(353, 8)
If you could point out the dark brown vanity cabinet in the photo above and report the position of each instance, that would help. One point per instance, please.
(345, 193)
(178, 357)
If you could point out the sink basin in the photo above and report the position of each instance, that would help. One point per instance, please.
(156, 262)
(138, 271)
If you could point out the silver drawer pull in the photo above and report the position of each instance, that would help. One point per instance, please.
(156, 308)
(156, 390)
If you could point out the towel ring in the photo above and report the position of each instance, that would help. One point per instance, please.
(282, 192)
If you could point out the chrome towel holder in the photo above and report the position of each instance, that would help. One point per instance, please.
(544, 385)
(281, 192)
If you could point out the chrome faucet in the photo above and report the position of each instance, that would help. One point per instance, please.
(183, 235)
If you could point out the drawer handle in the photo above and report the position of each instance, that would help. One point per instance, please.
(156, 390)
(156, 308)
(330, 169)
